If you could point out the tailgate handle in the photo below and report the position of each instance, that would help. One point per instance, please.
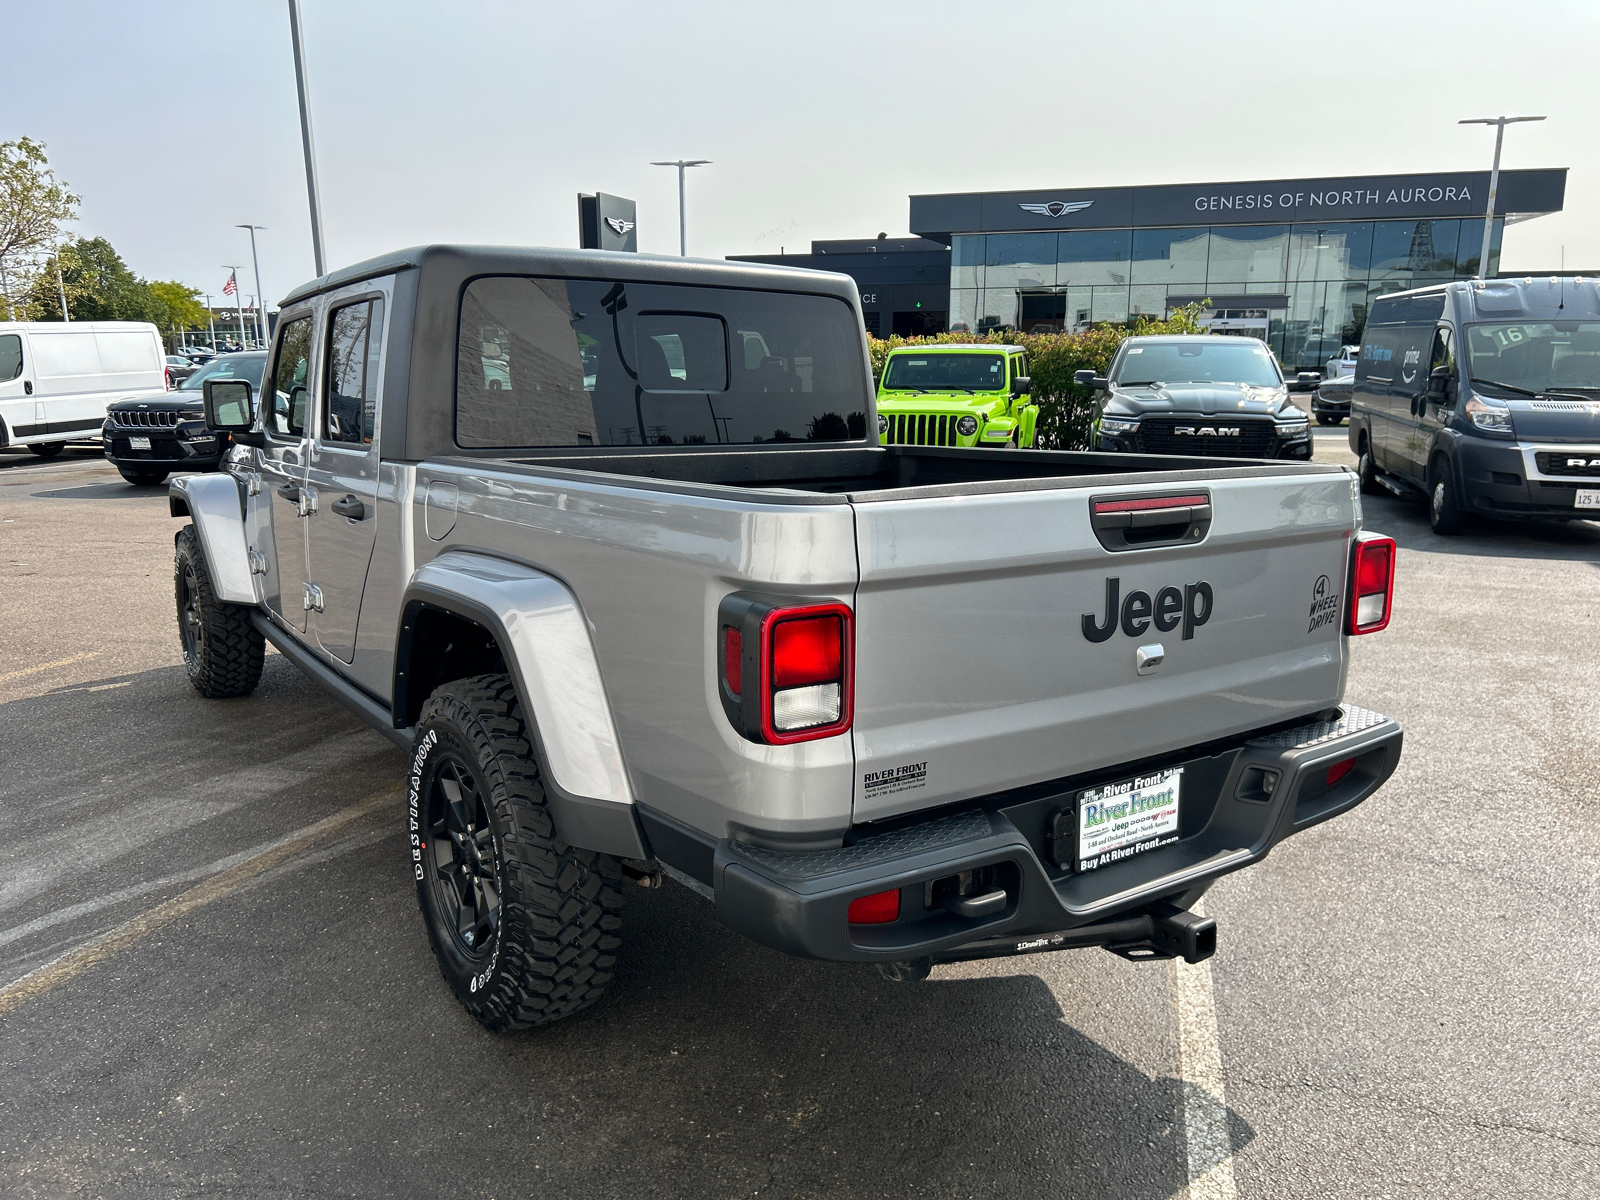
(1137, 521)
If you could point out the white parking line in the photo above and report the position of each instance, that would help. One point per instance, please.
(1203, 1103)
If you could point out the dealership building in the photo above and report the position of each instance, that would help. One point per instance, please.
(1295, 262)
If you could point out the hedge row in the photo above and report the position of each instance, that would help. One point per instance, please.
(1066, 411)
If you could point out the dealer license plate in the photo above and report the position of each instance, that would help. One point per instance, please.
(1129, 817)
(138, 443)
(1587, 498)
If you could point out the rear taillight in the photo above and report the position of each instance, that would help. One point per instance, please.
(786, 670)
(1371, 584)
(1339, 770)
(877, 909)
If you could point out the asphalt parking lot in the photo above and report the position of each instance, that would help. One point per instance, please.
(1404, 1001)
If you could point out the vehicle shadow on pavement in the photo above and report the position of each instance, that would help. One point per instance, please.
(1407, 522)
(116, 490)
(787, 1077)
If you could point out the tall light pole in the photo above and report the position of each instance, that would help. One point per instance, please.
(255, 263)
(682, 164)
(305, 136)
(211, 320)
(61, 285)
(1499, 124)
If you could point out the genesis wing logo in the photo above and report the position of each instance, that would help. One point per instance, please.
(619, 225)
(1056, 208)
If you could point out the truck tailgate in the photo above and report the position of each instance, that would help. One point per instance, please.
(975, 671)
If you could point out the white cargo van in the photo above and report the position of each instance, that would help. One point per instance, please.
(56, 377)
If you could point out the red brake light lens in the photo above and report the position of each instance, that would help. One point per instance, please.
(1372, 584)
(1339, 770)
(877, 909)
(808, 650)
(733, 660)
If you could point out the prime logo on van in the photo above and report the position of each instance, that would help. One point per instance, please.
(1189, 606)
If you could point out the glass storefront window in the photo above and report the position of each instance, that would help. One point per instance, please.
(1080, 307)
(966, 261)
(1169, 255)
(1470, 245)
(1020, 260)
(1247, 253)
(997, 309)
(1149, 300)
(1110, 304)
(1334, 251)
(1090, 256)
(963, 308)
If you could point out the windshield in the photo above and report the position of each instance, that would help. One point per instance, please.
(1536, 356)
(247, 367)
(945, 373)
(1219, 360)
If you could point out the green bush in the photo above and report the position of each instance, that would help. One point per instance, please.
(1066, 411)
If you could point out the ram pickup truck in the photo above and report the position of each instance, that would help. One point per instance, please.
(641, 605)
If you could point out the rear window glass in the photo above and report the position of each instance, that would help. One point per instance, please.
(577, 362)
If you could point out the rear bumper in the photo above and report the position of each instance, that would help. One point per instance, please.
(797, 901)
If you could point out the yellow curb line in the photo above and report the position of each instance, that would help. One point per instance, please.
(51, 666)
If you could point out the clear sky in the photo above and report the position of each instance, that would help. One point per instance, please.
(480, 122)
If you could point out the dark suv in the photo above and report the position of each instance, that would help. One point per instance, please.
(1199, 394)
(149, 439)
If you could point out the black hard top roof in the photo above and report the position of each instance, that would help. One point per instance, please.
(463, 261)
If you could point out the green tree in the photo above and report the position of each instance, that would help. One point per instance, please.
(34, 206)
(177, 306)
(100, 287)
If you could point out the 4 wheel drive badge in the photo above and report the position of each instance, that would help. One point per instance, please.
(1324, 604)
(618, 224)
(1056, 207)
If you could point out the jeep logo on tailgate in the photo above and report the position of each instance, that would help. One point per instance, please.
(1190, 605)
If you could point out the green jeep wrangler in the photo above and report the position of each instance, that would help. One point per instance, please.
(956, 395)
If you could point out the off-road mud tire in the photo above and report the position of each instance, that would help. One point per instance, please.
(222, 650)
(553, 949)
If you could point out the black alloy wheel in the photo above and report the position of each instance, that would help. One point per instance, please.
(191, 620)
(462, 859)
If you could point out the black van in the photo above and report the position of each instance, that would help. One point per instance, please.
(1483, 396)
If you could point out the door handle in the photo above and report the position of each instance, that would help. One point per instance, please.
(349, 506)
(27, 387)
(289, 491)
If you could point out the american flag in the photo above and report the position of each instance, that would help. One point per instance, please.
(231, 286)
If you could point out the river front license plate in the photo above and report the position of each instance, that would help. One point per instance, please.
(1126, 818)
(1587, 498)
(138, 443)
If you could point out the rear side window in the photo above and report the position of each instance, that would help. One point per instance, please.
(355, 350)
(577, 362)
(10, 356)
(286, 400)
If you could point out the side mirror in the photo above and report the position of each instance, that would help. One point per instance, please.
(228, 409)
(1020, 385)
(1439, 381)
(1089, 379)
(1306, 381)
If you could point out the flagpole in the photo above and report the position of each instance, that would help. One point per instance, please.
(238, 298)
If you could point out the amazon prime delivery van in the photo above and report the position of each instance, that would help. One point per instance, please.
(56, 377)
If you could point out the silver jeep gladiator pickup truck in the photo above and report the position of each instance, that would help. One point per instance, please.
(606, 543)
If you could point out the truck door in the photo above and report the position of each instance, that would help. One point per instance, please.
(16, 390)
(1438, 397)
(285, 401)
(343, 472)
(1408, 450)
